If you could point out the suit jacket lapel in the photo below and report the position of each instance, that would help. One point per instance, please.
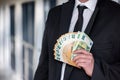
(92, 20)
(90, 25)
(66, 15)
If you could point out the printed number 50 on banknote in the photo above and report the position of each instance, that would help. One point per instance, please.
(68, 43)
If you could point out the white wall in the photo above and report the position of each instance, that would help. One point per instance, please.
(39, 29)
(59, 2)
(116, 0)
(5, 35)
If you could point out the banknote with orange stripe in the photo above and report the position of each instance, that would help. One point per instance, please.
(68, 43)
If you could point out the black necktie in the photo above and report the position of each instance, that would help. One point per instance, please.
(78, 27)
(79, 23)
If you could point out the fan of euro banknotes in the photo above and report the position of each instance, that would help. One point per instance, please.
(70, 42)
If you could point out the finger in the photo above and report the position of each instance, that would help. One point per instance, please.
(86, 66)
(82, 56)
(83, 61)
(81, 51)
(81, 65)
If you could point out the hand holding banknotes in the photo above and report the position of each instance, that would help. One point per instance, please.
(74, 49)
(84, 60)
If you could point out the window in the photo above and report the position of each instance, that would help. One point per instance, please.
(12, 33)
(28, 39)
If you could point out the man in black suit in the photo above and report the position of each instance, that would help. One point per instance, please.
(101, 23)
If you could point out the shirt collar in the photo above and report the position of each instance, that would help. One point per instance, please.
(90, 4)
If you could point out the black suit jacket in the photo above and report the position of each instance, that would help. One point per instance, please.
(103, 28)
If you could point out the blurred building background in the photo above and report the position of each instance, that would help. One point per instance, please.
(21, 30)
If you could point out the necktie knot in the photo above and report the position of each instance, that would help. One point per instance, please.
(81, 9)
(79, 23)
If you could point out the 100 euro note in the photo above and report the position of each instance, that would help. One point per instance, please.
(70, 42)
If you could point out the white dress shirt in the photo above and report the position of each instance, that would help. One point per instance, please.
(90, 4)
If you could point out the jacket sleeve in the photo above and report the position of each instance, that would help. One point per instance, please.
(104, 71)
(42, 69)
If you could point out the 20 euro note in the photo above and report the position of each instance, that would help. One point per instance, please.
(70, 42)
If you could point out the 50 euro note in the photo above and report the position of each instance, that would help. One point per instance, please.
(70, 42)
